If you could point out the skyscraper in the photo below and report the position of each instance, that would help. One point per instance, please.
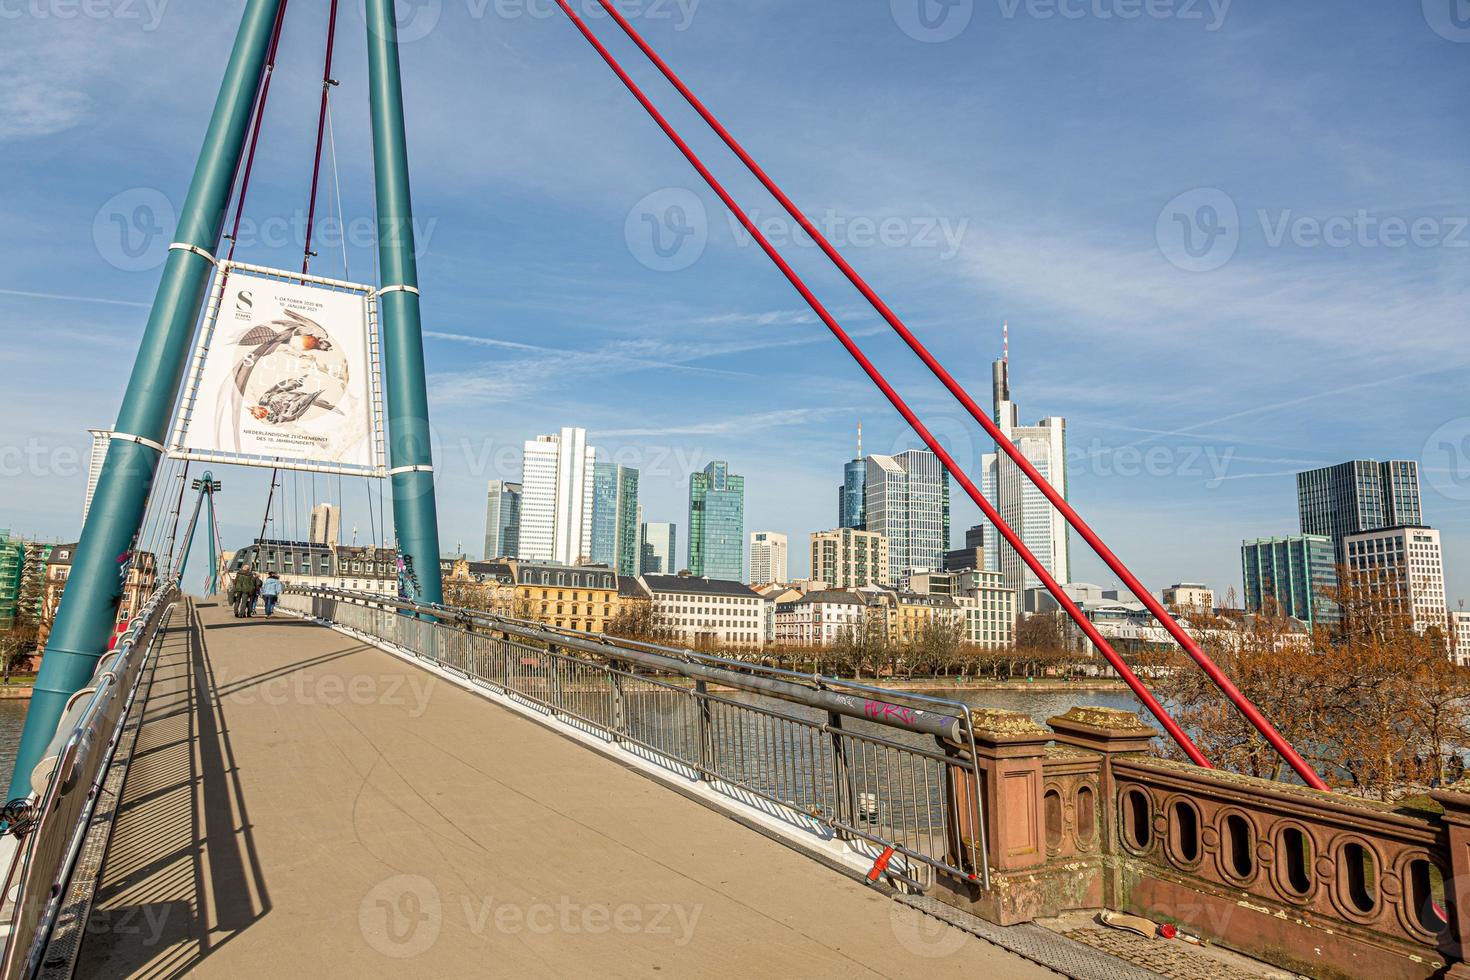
(556, 498)
(1291, 576)
(326, 525)
(767, 557)
(906, 500)
(502, 520)
(660, 549)
(850, 502)
(1021, 503)
(100, 440)
(1356, 496)
(615, 517)
(717, 523)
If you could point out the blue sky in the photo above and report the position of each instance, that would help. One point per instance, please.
(1230, 240)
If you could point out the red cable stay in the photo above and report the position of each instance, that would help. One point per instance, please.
(321, 127)
(261, 98)
(1211, 669)
(1139, 690)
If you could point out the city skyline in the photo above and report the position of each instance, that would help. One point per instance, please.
(1240, 585)
(1188, 411)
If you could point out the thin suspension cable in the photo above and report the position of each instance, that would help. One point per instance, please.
(148, 539)
(1139, 690)
(337, 186)
(372, 521)
(1004, 444)
(213, 578)
(1212, 670)
(269, 500)
(173, 534)
(378, 280)
(321, 129)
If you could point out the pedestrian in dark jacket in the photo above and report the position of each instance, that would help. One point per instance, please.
(244, 590)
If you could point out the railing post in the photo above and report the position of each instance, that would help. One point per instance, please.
(965, 830)
(706, 737)
(1108, 732)
(619, 704)
(1010, 751)
(844, 792)
(553, 682)
(85, 619)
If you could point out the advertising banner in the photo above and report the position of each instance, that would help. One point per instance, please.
(287, 376)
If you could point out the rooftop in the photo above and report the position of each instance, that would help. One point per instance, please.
(698, 586)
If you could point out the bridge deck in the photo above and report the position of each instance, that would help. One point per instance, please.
(301, 804)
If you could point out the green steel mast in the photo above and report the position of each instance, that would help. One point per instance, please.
(85, 621)
(410, 455)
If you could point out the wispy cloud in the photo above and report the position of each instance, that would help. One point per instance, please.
(33, 108)
(591, 358)
(735, 425)
(768, 318)
(544, 367)
(69, 298)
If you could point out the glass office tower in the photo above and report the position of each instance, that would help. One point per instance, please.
(717, 523)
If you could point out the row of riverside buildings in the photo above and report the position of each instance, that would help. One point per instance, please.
(708, 613)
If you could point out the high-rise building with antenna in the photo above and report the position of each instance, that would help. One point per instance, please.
(1020, 503)
(850, 493)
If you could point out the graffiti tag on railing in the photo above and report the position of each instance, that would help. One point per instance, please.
(883, 711)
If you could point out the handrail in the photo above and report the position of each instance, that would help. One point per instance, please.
(65, 786)
(564, 653)
(702, 666)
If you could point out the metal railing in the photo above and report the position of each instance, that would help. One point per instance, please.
(895, 769)
(65, 788)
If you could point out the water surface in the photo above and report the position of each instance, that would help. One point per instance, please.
(12, 719)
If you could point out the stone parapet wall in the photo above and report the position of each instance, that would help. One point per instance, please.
(1080, 815)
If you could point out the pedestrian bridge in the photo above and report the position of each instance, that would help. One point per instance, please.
(365, 787)
(301, 803)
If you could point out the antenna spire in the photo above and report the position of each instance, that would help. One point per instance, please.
(1005, 340)
(860, 439)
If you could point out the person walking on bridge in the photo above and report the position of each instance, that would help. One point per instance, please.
(271, 590)
(243, 592)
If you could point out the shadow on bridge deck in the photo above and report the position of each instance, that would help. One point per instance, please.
(300, 803)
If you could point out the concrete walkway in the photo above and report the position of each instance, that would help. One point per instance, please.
(300, 804)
